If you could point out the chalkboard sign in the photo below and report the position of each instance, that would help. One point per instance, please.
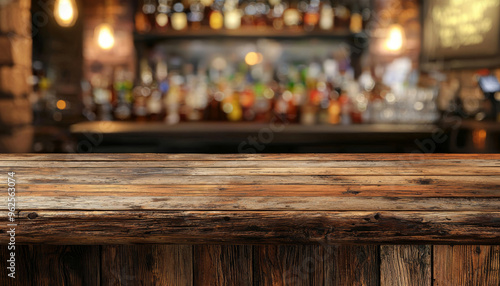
(458, 29)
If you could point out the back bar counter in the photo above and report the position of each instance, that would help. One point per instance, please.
(97, 199)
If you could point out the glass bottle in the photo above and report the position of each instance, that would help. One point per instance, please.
(326, 17)
(179, 18)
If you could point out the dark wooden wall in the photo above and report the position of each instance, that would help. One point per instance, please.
(185, 265)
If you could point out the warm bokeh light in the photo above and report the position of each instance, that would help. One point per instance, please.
(396, 38)
(61, 104)
(253, 58)
(179, 21)
(479, 139)
(232, 19)
(216, 20)
(162, 19)
(65, 12)
(105, 36)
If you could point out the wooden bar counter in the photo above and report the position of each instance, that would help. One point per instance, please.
(101, 199)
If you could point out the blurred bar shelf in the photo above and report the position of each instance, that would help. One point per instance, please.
(245, 33)
(115, 127)
(234, 137)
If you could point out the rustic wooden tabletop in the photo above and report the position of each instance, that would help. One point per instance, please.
(255, 199)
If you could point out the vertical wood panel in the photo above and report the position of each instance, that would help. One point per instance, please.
(353, 265)
(49, 265)
(289, 265)
(408, 265)
(223, 265)
(466, 265)
(147, 265)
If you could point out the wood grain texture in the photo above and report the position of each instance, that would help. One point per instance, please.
(223, 265)
(352, 265)
(49, 265)
(246, 157)
(468, 265)
(408, 265)
(147, 265)
(256, 227)
(289, 265)
(286, 198)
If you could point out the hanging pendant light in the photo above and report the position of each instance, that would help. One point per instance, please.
(105, 36)
(396, 38)
(104, 33)
(65, 12)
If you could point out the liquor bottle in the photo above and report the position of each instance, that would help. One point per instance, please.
(142, 92)
(214, 112)
(102, 97)
(324, 100)
(292, 18)
(263, 103)
(231, 104)
(195, 15)
(149, 11)
(366, 12)
(311, 16)
(162, 17)
(122, 86)
(334, 108)
(261, 10)
(276, 15)
(216, 19)
(345, 108)
(232, 15)
(247, 101)
(326, 17)
(249, 12)
(154, 105)
(142, 21)
(342, 16)
(179, 18)
(172, 100)
(196, 98)
(356, 24)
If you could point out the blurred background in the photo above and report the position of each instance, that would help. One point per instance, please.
(249, 76)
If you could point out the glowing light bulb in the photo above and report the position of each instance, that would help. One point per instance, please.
(105, 36)
(396, 38)
(65, 12)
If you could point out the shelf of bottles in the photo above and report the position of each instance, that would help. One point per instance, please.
(273, 18)
(300, 80)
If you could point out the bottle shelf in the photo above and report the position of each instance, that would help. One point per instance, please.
(214, 127)
(246, 33)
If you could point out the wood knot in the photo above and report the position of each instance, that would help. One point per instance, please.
(32, 215)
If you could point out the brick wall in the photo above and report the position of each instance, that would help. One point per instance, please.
(16, 132)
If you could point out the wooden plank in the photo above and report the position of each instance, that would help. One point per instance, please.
(223, 265)
(52, 265)
(408, 265)
(245, 157)
(255, 227)
(121, 191)
(466, 265)
(255, 203)
(165, 176)
(353, 265)
(147, 265)
(401, 170)
(461, 165)
(288, 265)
